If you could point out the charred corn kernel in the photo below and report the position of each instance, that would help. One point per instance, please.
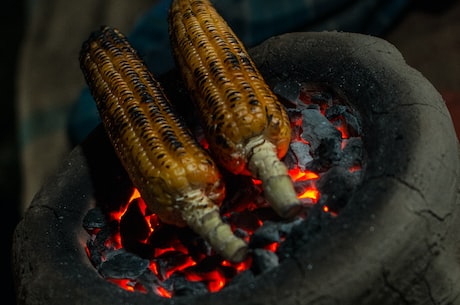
(175, 176)
(247, 128)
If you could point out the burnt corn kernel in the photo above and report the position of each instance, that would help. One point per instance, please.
(247, 128)
(175, 176)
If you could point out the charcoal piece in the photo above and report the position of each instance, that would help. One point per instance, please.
(150, 281)
(329, 151)
(162, 236)
(266, 213)
(287, 92)
(134, 230)
(352, 153)
(301, 151)
(245, 220)
(353, 124)
(94, 219)
(240, 233)
(268, 233)
(196, 246)
(183, 287)
(123, 265)
(170, 261)
(105, 234)
(94, 255)
(294, 114)
(290, 159)
(264, 260)
(208, 264)
(336, 187)
(241, 194)
(315, 94)
(317, 129)
(301, 186)
(133, 225)
(335, 111)
(286, 228)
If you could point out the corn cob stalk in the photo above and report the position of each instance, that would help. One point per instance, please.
(175, 176)
(247, 128)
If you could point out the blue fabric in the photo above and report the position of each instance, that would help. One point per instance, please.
(253, 21)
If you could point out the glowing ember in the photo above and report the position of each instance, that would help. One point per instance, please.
(166, 258)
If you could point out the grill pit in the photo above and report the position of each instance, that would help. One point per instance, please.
(393, 242)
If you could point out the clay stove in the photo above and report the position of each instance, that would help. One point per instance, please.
(393, 243)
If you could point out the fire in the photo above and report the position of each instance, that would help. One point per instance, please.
(214, 279)
(188, 257)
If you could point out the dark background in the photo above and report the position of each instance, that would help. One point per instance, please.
(427, 35)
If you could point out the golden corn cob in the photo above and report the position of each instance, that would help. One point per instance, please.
(174, 175)
(247, 128)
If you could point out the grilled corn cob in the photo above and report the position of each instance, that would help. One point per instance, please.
(247, 128)
(174, 175)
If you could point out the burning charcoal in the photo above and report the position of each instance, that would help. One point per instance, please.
(94, 255)
(183, 287)
(240, 233)
(150, 281)
(241, 194)
(295, 115)
(264, 260)
(315, 94)
(317, 129)
(195, 245)
(352, 153)
(301, 151)
(336, 187)
(123, 265)
(266, 234)
(170, 261)
(94, 219)
(301, 186)
(133, 225)
(105, 234)
(353, 124)
(134, 229)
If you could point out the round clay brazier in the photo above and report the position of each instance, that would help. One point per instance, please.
(395, 242)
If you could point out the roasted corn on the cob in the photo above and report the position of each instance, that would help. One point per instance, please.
(247, 128)
(175, 176)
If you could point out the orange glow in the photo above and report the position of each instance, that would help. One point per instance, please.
(163, 292)
(343, 129)
(298, 175)
(188, 263)
(135, 194)
(272, 247)
(240, 267)
(354, 168)
(310, 193)
(128, 285)
(216, 280)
